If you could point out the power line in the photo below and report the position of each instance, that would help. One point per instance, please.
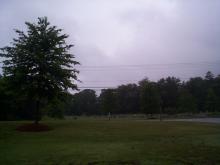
(95, 87)
(155, 68)
(125, 81)
(120, 81)
(149, 65)
(135, 67)
(96, 81)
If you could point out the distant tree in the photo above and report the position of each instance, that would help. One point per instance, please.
(127, 99)
(209, 80)
(68, 103)
(85, 102)
(186, 102)
(39, 63)
(216, 85)
(55, 108)
(197, 87)
(209, 75)
(211, 101)
(108, 101)
(149, 97)
(168, 89)
(5, 100)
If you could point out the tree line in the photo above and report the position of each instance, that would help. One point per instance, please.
(168, 95)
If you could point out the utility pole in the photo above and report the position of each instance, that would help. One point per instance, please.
(109, 116)
(160, 114)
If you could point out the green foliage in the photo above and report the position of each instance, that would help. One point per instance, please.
(55, 109)
(108, 101)
(5, 101)
(39, 64)
(197, 87)
(186, 102)
(84, 102)
(212, 101)
(209, 76)
(168, 89)
(39, 60)
(127, 99)
(216, 85)
(149, 97)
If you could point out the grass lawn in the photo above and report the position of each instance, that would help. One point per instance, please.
(97, 142)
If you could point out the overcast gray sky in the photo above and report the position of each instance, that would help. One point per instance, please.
(128, 40)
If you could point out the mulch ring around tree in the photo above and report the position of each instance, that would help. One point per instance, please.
(33, 128)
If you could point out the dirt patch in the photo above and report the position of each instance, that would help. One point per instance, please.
(33, 128)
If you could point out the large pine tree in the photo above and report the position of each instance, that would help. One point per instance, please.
(39, 63)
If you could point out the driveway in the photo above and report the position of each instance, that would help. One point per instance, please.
(206, 120)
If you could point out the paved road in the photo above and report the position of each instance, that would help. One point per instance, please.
(206, 120)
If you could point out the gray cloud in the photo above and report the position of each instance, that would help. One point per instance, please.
(128, 32)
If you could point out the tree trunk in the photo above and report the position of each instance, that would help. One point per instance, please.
(160, 114)
(109, 116)
(37, 112)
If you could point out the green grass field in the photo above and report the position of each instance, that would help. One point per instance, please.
(98, 142)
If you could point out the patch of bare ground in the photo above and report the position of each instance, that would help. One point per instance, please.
(33, 128)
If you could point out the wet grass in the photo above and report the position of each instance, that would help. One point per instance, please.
(100, 142)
